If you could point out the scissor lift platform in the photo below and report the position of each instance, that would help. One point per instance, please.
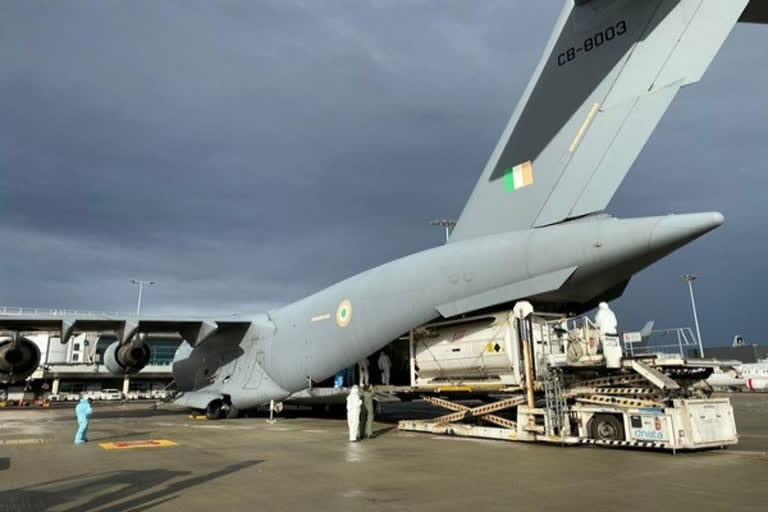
(641, 407)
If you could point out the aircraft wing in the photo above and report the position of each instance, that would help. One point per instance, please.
(608, 74)
(192, 330)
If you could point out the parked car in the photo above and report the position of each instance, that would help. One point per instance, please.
(111, 394)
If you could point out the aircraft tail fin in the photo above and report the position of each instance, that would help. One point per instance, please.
(647, 329)
(609, 72)
(756, 12)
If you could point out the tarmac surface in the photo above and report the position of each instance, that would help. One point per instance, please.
(306, 463)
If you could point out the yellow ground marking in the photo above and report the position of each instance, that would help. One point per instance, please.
(584, 126)
(321, 317)
(197, 417)
(127, 445)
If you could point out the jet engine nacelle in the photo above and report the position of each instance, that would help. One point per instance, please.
(126, 358)
(18, 359)
(757, 384)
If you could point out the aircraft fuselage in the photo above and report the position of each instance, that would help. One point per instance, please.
(315, 337)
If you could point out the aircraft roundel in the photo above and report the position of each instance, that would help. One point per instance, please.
(344, 313)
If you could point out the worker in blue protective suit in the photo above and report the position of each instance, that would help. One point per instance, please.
(83, 412)
(338, 381)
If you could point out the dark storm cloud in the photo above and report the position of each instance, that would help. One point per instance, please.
(244, 154)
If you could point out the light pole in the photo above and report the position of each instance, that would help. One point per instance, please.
(691, 278)
(448, 224)
(141, 285)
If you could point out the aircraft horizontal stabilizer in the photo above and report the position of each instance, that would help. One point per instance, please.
(534, 286)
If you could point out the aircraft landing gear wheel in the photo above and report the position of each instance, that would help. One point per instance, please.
(232, 412)
(215, 410)
(606, 427)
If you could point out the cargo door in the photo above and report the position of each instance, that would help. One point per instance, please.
(255, 367)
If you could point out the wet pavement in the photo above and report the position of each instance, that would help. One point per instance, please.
(305, 463)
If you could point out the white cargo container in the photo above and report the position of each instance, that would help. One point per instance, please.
(483, 348)
(488, 348)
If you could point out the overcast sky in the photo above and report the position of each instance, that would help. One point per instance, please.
(246, 154)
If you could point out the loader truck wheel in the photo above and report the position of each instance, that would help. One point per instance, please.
(606, 427)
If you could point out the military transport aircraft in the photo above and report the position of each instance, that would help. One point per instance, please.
(532, 228)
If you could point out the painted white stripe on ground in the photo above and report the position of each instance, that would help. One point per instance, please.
(22, 441)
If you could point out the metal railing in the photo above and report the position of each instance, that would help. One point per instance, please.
(33, 311)
(679, 340)
(80, 313)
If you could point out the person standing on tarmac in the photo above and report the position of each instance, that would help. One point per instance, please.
(83, 412)
(353, 413)
(362, 368)
(385, 365)
(368, 411)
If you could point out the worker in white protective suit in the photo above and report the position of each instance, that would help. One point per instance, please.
(605, 320)
(385, 365)
(606, 323)
(365, 376)
(353, 413)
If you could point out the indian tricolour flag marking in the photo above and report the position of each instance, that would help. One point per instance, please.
(518, 176)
